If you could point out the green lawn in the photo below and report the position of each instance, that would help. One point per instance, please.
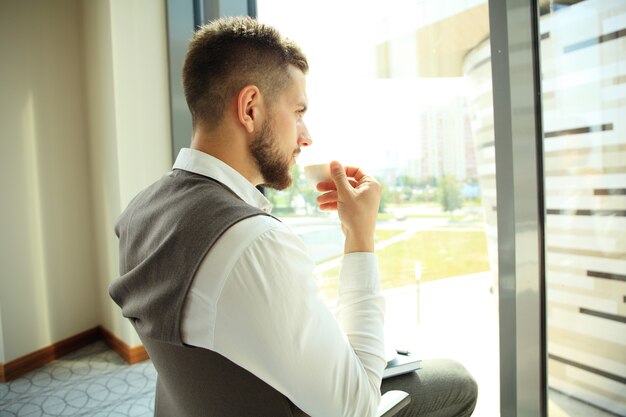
(442, 254)
(390, 216)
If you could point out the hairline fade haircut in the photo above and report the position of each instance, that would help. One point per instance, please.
(228, 54)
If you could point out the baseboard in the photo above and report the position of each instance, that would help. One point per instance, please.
(129, 354)
(20, 366)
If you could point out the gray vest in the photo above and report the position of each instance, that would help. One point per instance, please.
(164, 235)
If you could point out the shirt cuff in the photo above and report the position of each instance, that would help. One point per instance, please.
(360, 271)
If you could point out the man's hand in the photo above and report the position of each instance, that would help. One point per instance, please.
(356, 196)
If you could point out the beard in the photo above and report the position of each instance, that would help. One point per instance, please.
(273, 165)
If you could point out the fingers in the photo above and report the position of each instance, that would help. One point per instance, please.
(355, 172)
(330, 186)
(342, 179)
(328, 206)
(326, 186)
(328, 197)
(338, 175)
(342, 176)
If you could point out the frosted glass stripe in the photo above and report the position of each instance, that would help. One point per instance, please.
(590, 242)
(596, 181)
(585, 394)
(596, 361)
(577, 300)
(593, 379)
(599, 328)
(614, 23)
(587, 202)
(570, 280)
(588, 263)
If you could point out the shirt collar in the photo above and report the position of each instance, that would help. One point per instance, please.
(202, 163)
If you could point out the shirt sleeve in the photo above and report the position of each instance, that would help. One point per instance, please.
(271, 321)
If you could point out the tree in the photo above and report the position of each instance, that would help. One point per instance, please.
(300, 195)
(385, 196)
(449, 194)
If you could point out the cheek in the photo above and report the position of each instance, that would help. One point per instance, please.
(287, 129)
(290, 133)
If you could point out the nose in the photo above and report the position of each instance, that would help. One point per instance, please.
(304, 137)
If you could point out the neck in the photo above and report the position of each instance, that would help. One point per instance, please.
(230, 147)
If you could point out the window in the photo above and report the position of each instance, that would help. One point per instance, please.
(583, 57)
(403, 89)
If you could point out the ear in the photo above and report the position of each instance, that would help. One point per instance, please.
(248, 107)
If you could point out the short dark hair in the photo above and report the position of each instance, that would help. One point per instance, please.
(227, 54)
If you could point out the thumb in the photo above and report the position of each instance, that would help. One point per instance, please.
(338, 174)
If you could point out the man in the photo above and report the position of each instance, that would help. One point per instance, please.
(205, 266)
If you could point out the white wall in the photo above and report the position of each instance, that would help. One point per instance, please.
(1, 339)
(84, 125)
(47, 275)
(129, 128)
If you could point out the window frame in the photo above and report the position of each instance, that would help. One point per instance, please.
(519, 192)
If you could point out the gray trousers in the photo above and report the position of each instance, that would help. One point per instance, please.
(441, 388)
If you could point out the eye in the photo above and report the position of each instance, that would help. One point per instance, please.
(301, 109)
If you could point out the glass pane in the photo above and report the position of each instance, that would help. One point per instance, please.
(403, 89)
(583, 66)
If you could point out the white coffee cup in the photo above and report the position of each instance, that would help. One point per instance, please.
(315, 173)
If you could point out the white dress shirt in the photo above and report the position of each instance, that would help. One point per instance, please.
(254, 301)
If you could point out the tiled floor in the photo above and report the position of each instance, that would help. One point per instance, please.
(93, 381)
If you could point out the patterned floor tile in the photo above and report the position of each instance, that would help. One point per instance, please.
(93, 381)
